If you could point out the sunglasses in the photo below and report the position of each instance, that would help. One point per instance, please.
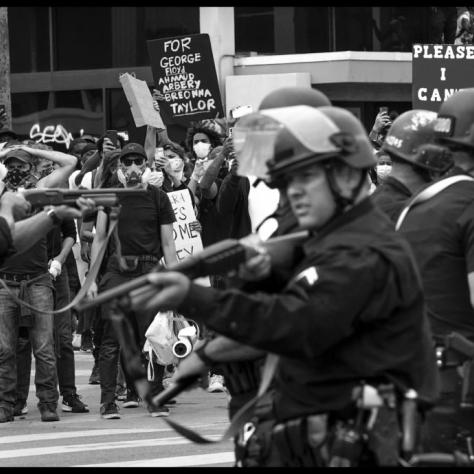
(131, 161)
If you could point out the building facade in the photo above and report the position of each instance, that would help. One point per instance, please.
(65, 61)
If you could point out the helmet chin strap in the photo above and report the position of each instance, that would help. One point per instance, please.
(342, 202)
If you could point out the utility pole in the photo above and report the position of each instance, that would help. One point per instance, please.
(5, 96)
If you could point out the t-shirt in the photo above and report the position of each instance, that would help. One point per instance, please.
(32, 262)
(140, 220)
(441, 233)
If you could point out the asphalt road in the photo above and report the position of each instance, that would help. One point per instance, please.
(135, 440)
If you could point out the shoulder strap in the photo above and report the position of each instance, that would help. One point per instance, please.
(430, 192)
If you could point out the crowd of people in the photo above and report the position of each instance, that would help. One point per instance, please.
(349, 329)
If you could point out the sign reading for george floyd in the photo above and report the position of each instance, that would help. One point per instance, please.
(184, 72)
(440, 70)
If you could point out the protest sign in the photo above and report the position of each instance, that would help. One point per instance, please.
(440, 70)
(184, 72)
(141, 102)
(187, 240)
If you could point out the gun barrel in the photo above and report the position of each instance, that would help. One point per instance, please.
(58, 196)
(221, 257)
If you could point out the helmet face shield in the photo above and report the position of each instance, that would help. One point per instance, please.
(254, 138)
(270, 140)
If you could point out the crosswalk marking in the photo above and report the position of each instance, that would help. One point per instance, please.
(177, 461)
(73, 448)
(88, 433)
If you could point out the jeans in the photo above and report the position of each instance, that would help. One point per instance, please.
(110, 347)
(63, 337)
(41, 339)
(64, 351)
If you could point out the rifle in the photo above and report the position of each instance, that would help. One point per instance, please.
(57, 196)
(222, 257)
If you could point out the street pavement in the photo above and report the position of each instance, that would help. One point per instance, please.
(135, 440)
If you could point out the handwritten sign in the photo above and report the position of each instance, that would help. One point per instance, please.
(440, 70)
(51, 134)
(187, 240)
(141, 102)
(184, 72)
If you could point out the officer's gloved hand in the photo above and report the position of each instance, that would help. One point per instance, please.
(259, 266)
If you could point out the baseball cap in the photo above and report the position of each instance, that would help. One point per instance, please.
(133, 149)
(21, 155)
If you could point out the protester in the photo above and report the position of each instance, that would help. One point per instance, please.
(136, 249)
(322, 359)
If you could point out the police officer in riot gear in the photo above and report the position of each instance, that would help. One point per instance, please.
(440, 228)
(240, 364)
(416, 160)
(350, 321)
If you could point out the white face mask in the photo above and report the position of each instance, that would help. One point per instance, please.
(383, 171)
(3, 171)
(156, 178)
(202, 149)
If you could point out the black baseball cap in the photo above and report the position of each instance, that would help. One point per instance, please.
(133, 149)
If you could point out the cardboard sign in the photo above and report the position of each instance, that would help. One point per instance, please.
(141, 102)
(440, 70)
(186, 240)
(184, 72)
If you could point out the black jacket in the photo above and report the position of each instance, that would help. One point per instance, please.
(353, 310)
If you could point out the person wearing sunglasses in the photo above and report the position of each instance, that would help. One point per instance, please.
(144, 235)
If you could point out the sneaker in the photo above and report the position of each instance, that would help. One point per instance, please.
(72, 403)
(6, 415)
(158, 411)
(20, 408)
(121, 393)
(109, 411)
(131, 401)
(216, 384)
(48, 411)
(94, 379)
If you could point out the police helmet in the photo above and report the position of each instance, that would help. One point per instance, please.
(455, 122)
(289, 96)
(411, 138)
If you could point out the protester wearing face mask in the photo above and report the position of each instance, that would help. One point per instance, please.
(134, 250)
(384, 166)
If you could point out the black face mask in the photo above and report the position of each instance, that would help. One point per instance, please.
(16, 177)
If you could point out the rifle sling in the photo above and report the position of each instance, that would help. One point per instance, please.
(91, 276)
(242, 416)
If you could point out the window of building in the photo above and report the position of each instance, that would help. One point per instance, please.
(254, 30)
(28, 32)
(82, 37)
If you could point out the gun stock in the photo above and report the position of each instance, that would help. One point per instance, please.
(221, 257)
(57, 196)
